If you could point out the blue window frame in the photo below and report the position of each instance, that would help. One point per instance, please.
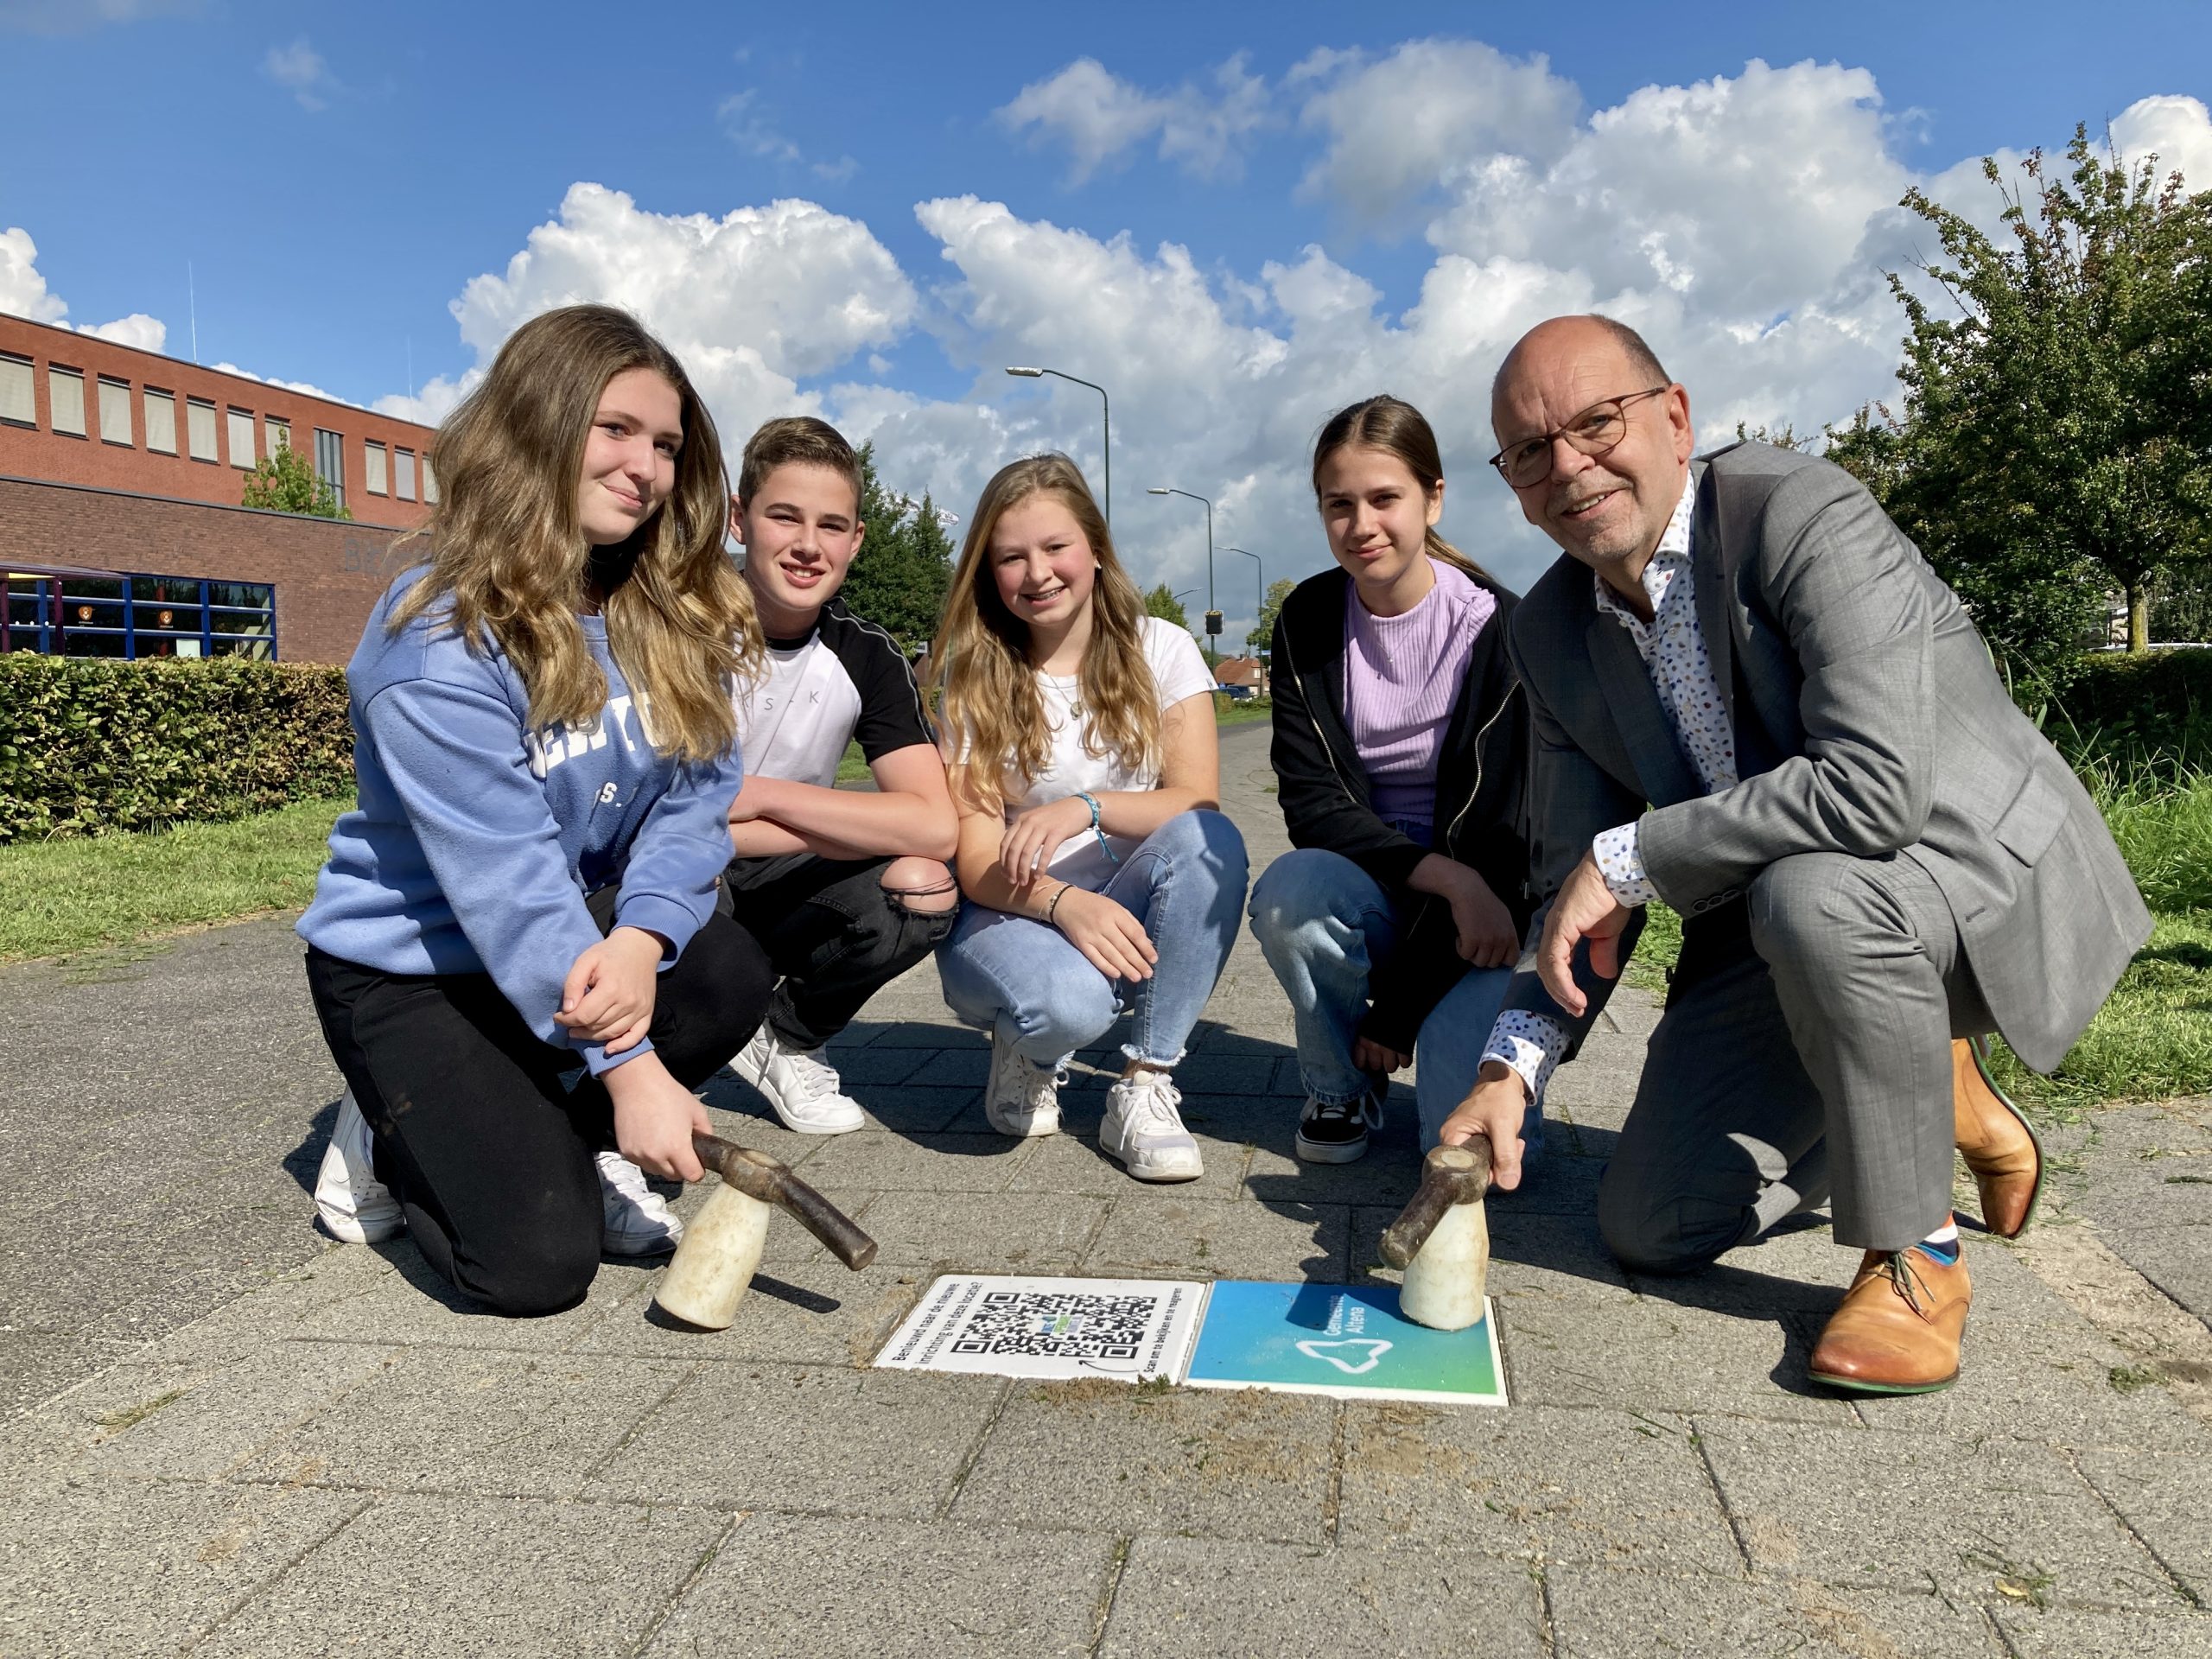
(113, 614)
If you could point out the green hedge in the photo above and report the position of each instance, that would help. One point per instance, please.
(88, 745)
(2155, 705)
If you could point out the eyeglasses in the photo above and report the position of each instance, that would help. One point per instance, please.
(1593, 432)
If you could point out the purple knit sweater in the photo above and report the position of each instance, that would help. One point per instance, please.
(1401, 678)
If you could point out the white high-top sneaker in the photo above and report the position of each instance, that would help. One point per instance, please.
(1022, 1098)
(804, 1089)
(634, 1220)
(1143, 1127)
(353, 1205)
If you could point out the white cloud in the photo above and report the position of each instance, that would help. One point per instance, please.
(745, 124)
(305, 388)
(23, 293)
(752, 302)
(1100, 117)
(2178, 130)
(300, 69)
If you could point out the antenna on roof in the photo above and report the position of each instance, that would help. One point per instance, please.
(191, 306)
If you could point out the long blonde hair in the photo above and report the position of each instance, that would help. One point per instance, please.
(507, 547)
(1396, 428)
(992, 710)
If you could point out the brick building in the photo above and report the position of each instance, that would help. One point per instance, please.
(121, 533)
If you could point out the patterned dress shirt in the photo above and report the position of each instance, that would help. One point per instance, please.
(1673, 648)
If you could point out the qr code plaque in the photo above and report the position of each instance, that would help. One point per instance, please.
(1049, 1327)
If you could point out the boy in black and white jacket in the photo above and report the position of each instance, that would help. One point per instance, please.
(845, 889)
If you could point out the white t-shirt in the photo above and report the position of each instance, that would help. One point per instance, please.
(844, 680)
(1179, 670)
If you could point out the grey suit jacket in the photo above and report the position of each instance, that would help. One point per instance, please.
(1894, 731)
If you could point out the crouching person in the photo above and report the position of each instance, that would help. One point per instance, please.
(515, 803)
(1086, 771)
(845, 890)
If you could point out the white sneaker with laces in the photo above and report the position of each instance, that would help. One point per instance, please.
(353, 1205)
(1143, 1127)
(805, 1090)
(1022, 1098)
(634, 1220)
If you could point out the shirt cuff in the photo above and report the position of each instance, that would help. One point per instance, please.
(1531, 1044)
(1619, 855)
(599, 1062)
(653, 912)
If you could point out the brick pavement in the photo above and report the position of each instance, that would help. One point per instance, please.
(231, 1438)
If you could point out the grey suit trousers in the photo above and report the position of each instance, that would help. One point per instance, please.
(1803, 1059)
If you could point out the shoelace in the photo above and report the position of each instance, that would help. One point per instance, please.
(814, 1077)
(1153, 1106)
(1907, 1279)
(1342, 1111)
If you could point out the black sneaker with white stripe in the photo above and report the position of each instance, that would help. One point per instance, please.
(1335, 1131)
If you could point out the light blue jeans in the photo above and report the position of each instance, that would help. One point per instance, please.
(1022, 980)
(1324, 923)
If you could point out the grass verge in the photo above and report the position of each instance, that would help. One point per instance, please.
(58, 897)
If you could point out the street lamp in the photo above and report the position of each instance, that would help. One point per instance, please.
(1213, 616)
(1259, 584)
(1105, 426)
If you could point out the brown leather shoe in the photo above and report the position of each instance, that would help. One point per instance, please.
(1897, 1331)
(1994, 1136)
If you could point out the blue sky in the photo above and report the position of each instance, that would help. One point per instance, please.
(337, 176)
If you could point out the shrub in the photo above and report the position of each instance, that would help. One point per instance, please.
(89, 745)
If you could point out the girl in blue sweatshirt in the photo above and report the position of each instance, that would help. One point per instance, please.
(514, 950)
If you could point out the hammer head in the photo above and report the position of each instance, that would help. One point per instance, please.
(1449, 1176)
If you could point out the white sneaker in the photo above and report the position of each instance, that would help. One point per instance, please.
(634, 1220)
(1143, 1127)
(804, 1089)
(353, 1205)
(1022, 1098)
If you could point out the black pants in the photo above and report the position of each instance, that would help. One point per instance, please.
(833, 934)
(486, 1135)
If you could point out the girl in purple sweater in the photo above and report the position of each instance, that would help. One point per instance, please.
(1401, 747)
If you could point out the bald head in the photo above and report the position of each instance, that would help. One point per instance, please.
(1580, 334)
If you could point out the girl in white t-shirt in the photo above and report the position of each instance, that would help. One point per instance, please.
(1086, 772)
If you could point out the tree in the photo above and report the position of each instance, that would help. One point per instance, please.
(284, 482)
(1260, 639)
(2056, 438)
(1169, 608)
(904, 569)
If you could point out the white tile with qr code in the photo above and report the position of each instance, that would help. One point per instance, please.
(1002, 1325)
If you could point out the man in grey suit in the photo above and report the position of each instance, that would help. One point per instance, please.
(1752, 698)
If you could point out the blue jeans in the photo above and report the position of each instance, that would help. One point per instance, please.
(1324, 923)
(1022, 980)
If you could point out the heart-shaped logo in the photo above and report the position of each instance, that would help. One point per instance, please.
(1373, 1347)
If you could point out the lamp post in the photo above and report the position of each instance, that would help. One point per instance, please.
(1105, 426)
(1259, 584)
(1213, 614)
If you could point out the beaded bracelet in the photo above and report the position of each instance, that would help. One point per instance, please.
(1053, 904)
(1112, 857)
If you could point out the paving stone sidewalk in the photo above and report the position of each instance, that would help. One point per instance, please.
(220, 1435)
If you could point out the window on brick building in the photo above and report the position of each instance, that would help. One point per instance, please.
(429, 482)
(90, 615)
(18, 401)
(200, 427)
(372, 469)
(402, 474)
(330, 463)
(241, 437)
(65, 399)
(279, 434)
(161, 420)
(115, 412)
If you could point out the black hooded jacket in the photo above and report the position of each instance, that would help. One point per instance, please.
(1481, 793)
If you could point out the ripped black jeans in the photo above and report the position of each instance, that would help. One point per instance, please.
(832, 933)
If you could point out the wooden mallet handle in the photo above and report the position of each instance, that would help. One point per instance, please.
(770, 1180)
(1449, 1176)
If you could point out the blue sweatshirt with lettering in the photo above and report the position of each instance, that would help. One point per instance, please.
(477, 837)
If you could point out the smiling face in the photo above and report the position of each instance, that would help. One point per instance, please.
(629, 466)
(1607, 511)
(800, 529)
(1378, 517)
(1042, 565)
